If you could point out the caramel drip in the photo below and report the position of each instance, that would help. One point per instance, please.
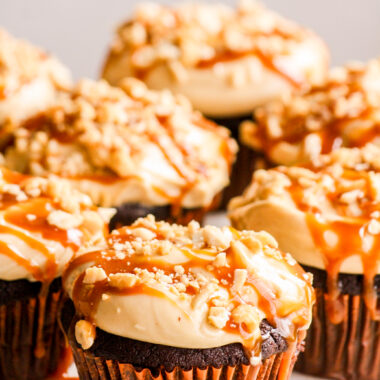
(86, 298)
(339, 239)
(286, 365)
(40, 351)
(65, 362)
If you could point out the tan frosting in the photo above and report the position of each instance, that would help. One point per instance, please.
(127, 144)
(189, 287)
(327, 215)
(268, 202)
(30, 80)
(344, 112)
(225, 61)
(43, 223)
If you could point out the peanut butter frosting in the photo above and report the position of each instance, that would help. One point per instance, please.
(344, 112)
(127, 144)
(30, 80)
(190, 287)
(226, 61)
(326, 214)
(43, 223)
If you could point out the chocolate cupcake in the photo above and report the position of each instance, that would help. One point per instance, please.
(30, 81)
(43, 223)
(327, 215)
(131, 148)
(226, 61)
(186, 302)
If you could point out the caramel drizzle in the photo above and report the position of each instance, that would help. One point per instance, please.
(194, 165)
(12, 252)
(86, 298)
(266, 60)
(351, 235)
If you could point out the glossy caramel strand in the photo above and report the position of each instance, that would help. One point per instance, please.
(350, 240)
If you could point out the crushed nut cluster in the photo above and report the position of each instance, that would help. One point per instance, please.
(345, 111)
(68, 209)
(99, 129)
(187, 282)
(191, 34)
(21, 62)
(345, 182)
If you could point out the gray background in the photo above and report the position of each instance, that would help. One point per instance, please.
(78, 31)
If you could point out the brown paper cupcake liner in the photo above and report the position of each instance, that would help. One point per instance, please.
(31, 342)
(91, 367)
(346, 351)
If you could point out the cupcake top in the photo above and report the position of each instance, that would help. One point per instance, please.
(326, 214)
(43, 223)
(190, 287)
(344, 112)
(127, 144)
(29, 80)
(226, 61)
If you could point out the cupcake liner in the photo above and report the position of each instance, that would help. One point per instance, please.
(91, 367)
(31, 342)
(349, 350)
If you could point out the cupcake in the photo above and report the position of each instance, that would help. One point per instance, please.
(171, 301)
(327, 215)
(43, 223)
(344, 112)
(30, 81)
(226, 61)
(139, 150)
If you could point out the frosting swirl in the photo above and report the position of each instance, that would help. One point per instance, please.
(344, 112)
(43, 223)
(226, 61)
(326, 214)
(126, 144)
(30, 80)
(192, 287)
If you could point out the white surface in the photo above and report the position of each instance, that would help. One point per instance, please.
(79, 31)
